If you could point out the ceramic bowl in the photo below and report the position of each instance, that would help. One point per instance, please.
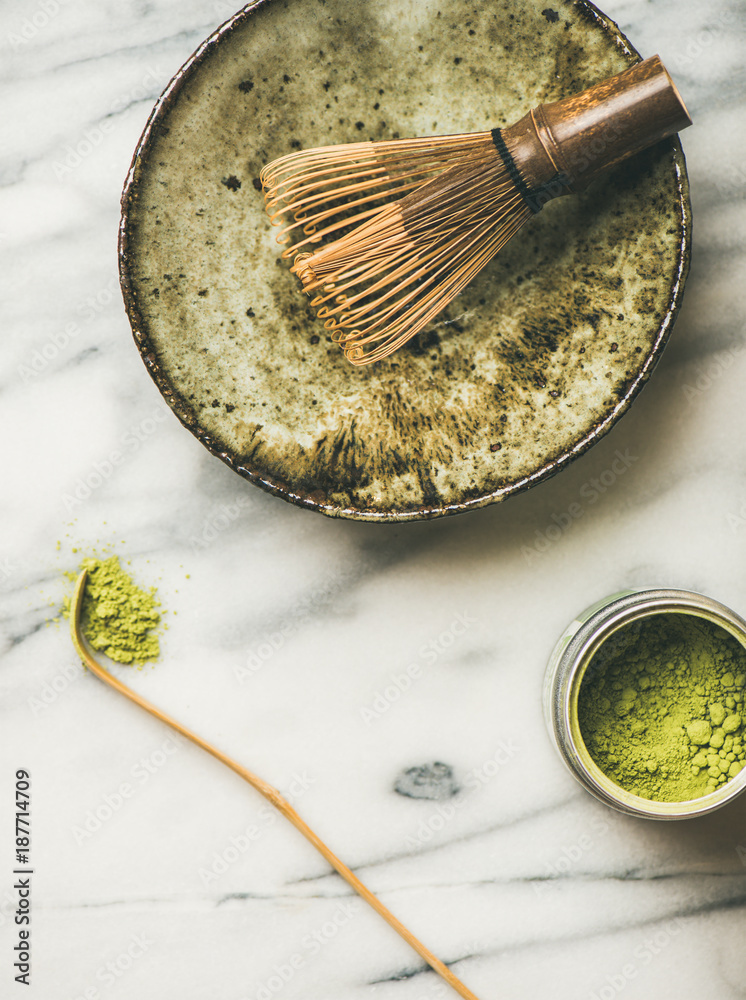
(530, 366)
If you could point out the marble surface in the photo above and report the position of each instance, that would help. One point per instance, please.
(333, 657)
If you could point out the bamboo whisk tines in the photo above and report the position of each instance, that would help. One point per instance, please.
(383, 235)
(449, 205)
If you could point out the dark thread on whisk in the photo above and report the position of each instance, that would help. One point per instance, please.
(535, 198)
(539, 196)
(513, 171)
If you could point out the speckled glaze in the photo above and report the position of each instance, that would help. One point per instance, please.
(530, 366)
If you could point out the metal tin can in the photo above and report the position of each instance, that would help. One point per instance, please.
(568, 664)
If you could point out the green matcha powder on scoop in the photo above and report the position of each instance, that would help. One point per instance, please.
(117, 617)
(661, 707)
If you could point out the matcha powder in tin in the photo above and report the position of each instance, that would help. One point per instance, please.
(661, 707)
(117, 617)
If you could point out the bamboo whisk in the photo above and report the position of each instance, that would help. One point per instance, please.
(385, 234)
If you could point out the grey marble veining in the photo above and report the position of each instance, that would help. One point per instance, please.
(324, 655)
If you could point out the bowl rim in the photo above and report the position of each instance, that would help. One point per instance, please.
(277, 486)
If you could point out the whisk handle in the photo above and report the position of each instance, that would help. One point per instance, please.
(561, 147)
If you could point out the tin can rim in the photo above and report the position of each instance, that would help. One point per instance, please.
(568, 665)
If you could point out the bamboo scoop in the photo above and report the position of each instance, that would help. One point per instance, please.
(269, 793)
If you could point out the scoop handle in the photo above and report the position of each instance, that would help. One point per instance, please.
(268, 791)
(562, 147)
